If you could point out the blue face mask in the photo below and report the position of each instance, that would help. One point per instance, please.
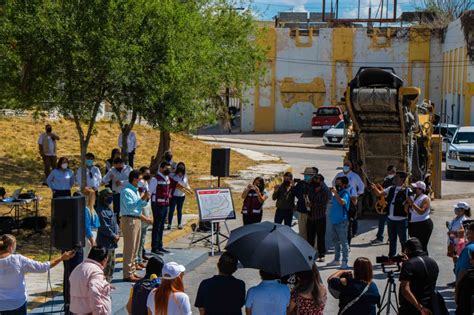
(307, 178)
(89, 162)
(109, 200)
(346, 169)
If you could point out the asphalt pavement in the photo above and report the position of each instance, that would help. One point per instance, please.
(329, 162)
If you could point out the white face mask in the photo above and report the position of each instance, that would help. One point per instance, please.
(391, 176)
(64, 166)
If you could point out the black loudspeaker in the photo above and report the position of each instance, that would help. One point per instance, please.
(68, 222)
(220, 162)
(34, 223)
(7, 224)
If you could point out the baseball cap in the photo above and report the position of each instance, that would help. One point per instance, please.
(419, 184)
(462, 205)
(172, 270)
(310, 171)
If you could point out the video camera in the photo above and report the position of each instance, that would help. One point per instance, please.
(385, 259)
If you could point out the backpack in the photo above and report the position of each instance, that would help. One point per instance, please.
(141, 289)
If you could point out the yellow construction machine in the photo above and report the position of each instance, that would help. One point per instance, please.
(389, 126)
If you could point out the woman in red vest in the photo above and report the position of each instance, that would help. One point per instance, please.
(254, 196)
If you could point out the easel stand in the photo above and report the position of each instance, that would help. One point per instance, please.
(214, 237)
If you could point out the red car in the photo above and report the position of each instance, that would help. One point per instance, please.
(324, 118)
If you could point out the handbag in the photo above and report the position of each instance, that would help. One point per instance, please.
(438, 305)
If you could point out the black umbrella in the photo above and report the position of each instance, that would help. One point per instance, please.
(273, 248)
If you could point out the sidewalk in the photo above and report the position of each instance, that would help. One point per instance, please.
(294, 140)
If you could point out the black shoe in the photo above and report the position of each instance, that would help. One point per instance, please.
(157, 252)
(164, 251)
(145, 257)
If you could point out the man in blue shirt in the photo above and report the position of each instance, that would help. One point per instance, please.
(131, 208)
(270, 297)
(463, 263)
(339, 219)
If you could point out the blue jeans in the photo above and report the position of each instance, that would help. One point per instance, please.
(396, 228)
(285, 216)
(176, 202)
(339, 239)
(382, 221)
(159, 219)
(19, 311)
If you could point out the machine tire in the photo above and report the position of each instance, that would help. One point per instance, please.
(449, 175)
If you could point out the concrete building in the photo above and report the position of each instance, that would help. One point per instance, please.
(310, 67)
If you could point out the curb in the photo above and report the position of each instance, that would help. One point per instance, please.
(255, 142)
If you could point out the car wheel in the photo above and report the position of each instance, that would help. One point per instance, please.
(449, 174)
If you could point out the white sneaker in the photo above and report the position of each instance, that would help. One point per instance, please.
(180, 227)
(333, 263)
(344, 266)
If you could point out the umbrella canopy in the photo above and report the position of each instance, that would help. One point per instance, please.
(273, 248)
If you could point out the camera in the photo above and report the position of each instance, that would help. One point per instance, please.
(385, 259)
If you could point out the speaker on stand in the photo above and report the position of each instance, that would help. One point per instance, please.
(68, 233)
(220, 163)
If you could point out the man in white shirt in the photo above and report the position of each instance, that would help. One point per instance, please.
(131, 144)
(356, 189)
(118, 174)
(397, 220)
(93, 180)
(47, 150)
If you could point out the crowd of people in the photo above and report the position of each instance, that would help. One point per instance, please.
(406, 215)
(124, 203)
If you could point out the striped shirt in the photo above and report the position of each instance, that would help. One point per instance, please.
(318, 201)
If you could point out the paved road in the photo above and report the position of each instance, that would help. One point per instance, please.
(328, 161)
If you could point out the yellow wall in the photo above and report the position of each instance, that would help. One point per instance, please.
(265, 116)
(342, 51)
(419, 51)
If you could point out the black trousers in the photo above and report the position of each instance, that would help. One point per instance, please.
(131, 158)
(253, 218)
(61, 193)
(317, 228)
(422, 231)
(69, 266)
(282, 215)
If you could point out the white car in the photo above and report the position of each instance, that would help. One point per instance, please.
(460, 155)
(335, 135)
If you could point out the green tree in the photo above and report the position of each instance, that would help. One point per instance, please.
(61, 55)
(446, 10)
(198, 48)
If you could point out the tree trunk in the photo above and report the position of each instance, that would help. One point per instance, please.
(84, 140)
(165, 145)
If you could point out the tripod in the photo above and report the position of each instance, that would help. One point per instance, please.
(390, 288)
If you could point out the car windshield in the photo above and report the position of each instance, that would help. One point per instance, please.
(464, 137)
(339, 125)
(445, 131)
(328, 112)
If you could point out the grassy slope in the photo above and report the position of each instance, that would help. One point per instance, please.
(21, 165)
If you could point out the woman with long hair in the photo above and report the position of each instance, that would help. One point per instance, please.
(13, 268)
(169, 298)
(358, 294)
(309, 296)
(178, 196)
(254, 196)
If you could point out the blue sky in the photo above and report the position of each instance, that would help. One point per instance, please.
(267, 9)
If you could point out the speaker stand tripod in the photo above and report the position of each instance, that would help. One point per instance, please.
(215, 234)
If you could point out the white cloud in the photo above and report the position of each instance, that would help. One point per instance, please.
(298, 5)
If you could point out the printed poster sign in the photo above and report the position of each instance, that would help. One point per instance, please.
(215, 204)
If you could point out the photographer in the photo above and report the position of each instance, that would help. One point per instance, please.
(285, 200)
(418, 278)
(397, 223)
(254, 196)
(357, 293)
